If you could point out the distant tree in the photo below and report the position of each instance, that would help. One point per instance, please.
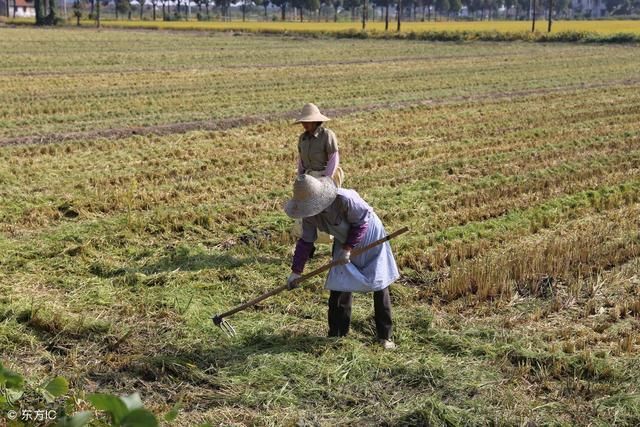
(455, 6)
(142, 3)
(265, 4)
(522, 5)
(429, 6)
(312, 5)
(385, 4)
(282, 4)
(622, 7)
(337, 4)
(508, 5)
(491, 6)
(302, 5)
(365, 14)
(43, 17)
(476, 6)
(244, 10)
(38, 6)
(533, 16)
(413, 7)
(298, 6)
(419, 4)
(408, 5)
(122, 6)
(225, 7)
(399, 14)
(154, 5)
(352, 5)
(442, 6)
(77, 11)
(561, 6)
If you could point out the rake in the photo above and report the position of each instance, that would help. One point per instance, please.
(227, 328)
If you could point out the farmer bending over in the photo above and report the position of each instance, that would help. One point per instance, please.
(344, 214)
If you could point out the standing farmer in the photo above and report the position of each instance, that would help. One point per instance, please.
(318, 156)
(317, 146)
(345, 215)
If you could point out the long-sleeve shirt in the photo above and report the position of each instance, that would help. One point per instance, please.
(318, 151)
(346, 219)
(329, 170)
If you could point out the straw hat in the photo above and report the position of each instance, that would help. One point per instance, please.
(310, 196)
(311, 113)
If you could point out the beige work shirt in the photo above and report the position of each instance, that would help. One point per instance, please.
(315, 149)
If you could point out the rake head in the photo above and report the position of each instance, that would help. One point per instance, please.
(226, 327)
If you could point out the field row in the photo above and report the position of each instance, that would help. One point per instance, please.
(203, 88)
(463, 195)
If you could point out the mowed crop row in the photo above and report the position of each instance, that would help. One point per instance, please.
(204, 78)
(465, 189)
(519, 299)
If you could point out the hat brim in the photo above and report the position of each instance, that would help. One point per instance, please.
(312, 118)
(298, 209)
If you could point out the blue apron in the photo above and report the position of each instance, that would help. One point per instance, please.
(372, 270)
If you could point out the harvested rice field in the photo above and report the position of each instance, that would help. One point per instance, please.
(142, 181)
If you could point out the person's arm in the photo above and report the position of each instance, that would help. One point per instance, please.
(301, 167)
(300, 256)
(355, 236)
(332, 164)
(357, 215)
(332, 152)
(304, 246)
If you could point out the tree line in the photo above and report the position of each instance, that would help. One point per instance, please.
(364, 10)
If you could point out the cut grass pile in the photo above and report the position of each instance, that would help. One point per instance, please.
(520, 296)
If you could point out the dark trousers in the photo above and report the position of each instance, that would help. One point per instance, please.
(340, 313)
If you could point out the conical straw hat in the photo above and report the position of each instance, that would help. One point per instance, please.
(310, 196)
(311, 113)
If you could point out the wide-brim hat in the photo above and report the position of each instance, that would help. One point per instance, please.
(311, 113)
(310, 196)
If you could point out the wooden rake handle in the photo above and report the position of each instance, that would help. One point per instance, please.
(355, 252)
